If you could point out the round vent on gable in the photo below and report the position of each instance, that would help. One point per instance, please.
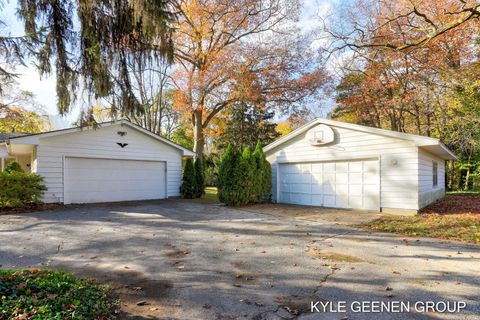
(320, 135)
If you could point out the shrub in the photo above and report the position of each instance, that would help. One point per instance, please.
(244, 178)
(199, 177)
(18, 189)
(188, 185)
(13, 166)
(227, 175)
(266, 180)
(43, 294)
(264, 176)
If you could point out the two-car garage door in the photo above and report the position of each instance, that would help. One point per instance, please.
(344, 184)
(88, 180)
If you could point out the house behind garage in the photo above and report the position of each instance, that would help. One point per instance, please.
(116, 161)
(341, 165)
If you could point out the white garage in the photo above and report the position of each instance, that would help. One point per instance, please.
(343, 184)
(116, 161)
(341, 165)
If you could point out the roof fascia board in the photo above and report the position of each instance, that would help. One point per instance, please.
(418, 140)
(35, 138)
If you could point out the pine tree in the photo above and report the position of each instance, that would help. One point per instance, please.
(228, 175)
(246, 178)
(199, 178)
(264, 174)
(258, 157)
(188, 185)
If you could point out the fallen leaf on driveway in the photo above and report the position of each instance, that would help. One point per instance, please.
(141, 303)
(259, 304)
(206, 306)
(388, 289)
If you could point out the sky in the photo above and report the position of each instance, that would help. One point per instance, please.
(44, 88)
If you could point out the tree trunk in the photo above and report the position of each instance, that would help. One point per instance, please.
(467, 180)
(198, 137)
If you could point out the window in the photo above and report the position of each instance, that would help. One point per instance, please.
(435, 173)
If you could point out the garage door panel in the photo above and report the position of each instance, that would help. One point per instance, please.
(370, 178)
(317, 200)
(341, 178)
(370, 166)
(329, 189)
(317, 167)
(370, 202)
(341, 201)
(355, 201)
(341, 189)
(341, 167)
(305, 178)
(329, 200)
(317, 188)
(355, 190)
(346, 184)
(355, 167)
(329, 178)
(355, 178)
(329, 167)
(104, 180)
(284, 187)
(302, 188)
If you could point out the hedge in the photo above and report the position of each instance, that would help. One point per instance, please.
(13, 166)
(193, 181)
(199, 177)
(188, 185)
(244, 178)
(19, 189)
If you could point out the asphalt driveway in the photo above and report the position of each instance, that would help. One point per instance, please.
(195, 261)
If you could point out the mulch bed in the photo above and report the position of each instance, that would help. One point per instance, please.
(455, 204)
(32, 208)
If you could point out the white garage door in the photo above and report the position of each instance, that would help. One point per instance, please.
(89, 180)
(347, 184)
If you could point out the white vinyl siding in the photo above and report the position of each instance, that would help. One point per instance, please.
(398, 161)
(102, 143)
(428, 192)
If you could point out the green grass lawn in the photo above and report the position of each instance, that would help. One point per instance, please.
(461, 227)
(210, 196)
(44, 294)
(456, 217)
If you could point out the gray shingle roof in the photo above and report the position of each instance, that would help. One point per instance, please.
(6, 135)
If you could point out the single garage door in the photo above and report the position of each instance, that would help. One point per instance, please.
(345, 184)
(89, 180)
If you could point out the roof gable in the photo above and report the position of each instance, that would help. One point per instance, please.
(434, 145)
(35, 138)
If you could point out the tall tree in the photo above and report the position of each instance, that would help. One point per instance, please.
(229, 51)
(110, 34)
(245, 125)
(415, 86)
(20, 112)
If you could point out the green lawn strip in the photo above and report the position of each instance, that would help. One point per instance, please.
(460, 227)
(44, 294)
(210, 196)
